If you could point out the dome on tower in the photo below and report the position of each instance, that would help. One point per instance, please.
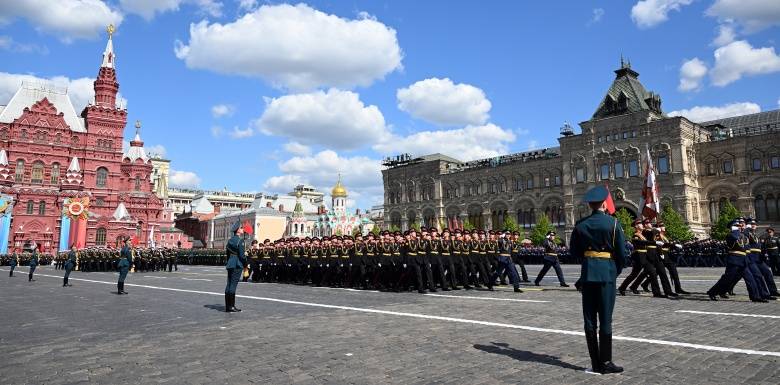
(338, 190)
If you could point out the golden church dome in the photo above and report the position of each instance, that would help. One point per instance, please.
(338, 190)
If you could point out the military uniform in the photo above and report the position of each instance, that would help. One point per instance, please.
(123, 265)
(599, 241)
(771, 247)
(551, 260)
(505, 264)
(14, 261)
(69, 265)
(33, 264)
(234, 266)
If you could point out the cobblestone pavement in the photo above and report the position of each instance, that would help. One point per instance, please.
(170, 329)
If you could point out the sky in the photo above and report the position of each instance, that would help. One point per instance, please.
(260, 96)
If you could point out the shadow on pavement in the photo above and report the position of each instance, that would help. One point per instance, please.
(215, 307)
(524, 355)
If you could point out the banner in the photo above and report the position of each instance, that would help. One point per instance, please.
(77, 210)
(6, 211)
(650, 205)
(64, 233)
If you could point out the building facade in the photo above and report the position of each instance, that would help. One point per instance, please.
(181, 199)
(63, 175)
(699, 166)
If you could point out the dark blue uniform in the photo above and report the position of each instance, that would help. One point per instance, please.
(69, 265)
(599, 242)
(505, 264)
(13, 264)
(550, 260)
(234, 266)
(125, 261)
(736, 269)
(33, 265)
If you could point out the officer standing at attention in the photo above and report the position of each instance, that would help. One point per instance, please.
(69, 265)
(33, 263)
(14, 262)
(599, 241)
(125, 260)
(235, 266)
(551, 260)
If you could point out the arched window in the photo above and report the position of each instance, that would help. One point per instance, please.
(100, 237)
(102, 177)
(19, 170)
(137, 183)
(42, 208)
(37, 173)
(759, 204)
(58, 138)
(772, 213)
(55, 173)
(30, 206)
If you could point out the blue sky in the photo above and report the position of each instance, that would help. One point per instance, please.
(259, 96)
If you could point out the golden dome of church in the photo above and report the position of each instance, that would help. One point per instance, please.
(338, 190)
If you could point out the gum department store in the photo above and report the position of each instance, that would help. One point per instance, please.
(700, 166)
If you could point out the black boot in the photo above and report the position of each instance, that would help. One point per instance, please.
(228, 305)
(605, 354)
(593, 351)
(64, 282)
(123, 288)
(233, 302)
(29, 277)
(119, 287)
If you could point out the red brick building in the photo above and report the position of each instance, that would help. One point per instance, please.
(50, 155)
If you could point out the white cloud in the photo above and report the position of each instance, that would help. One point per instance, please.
(739, 58)
(335, 119)
(440, 101)
(691, 74)
(238, 133)
(156, 150)
(216, 131)
(9, 44)
(707, 113)
(725, 36)
(183, 179)
(247, 5)
(81, 90)
(221, 110)
(65, 19)
(296, 148)
(295, 47)
(754, 15)
(598, 13)
(361, 175)
(149, 8)
(778, 103)
(649, 13)
(469, 143)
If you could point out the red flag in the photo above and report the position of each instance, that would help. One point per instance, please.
(247, 228)
(610, 203)
(650, 204)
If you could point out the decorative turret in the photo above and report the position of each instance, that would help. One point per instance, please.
(6, 177)
(106, 86)
(339, 198)
(74, 179)
(627, 95)
(121, 213)
(136, 150)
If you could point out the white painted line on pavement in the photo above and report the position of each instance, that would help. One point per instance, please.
(151, 276)
(450, 319)
(487, 298)
(731, 314)
(197, 279)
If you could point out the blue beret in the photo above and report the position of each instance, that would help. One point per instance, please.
(596, 194)
(235, 227)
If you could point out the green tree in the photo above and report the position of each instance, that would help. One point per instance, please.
(676, 228)
(394, 229)
(626, 220)
(509, 224)
(442, 224)
(415, 226)
(339, 233)
(375, 230)
(539, 232)
(357, 231)
(721, 228)
(467, 225)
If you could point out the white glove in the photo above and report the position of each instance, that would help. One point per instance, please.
(659, 243)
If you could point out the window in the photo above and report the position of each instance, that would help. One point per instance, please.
(580, 174)
(557, 180)
(547, 181)
(618, 169)
(775, 162)
(601, 139)
(633, 168)
(633, 134)
(728, 167)
(607, 138)
(55, 173)
(42, 208)
(615, 136)
(30, 205)
(102, 176)
(625, 134)
(710, 168)
(663, 164)
(529, 182)
(24, 134)
(100, 202)
(37, 173)
(518, 184)
(137, 183)
(604, 171)
(19, 170)
(756, 164)
(58, 138)
(100, 236)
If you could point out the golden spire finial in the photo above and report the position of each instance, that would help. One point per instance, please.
(110, 29)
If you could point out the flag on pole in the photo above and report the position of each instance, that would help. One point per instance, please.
(151, 236)
(610, 203)
(650, 204)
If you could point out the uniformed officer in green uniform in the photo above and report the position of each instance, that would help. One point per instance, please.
(599, 242)
(69, 265)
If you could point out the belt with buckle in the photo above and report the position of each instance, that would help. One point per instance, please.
(598, 254)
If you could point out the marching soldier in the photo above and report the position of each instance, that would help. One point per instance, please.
(125, 261)
(771, 247)
(14, 261)
(69, 265)
(551, 260)
(599, 241)
(33, 263)
(505, 262)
